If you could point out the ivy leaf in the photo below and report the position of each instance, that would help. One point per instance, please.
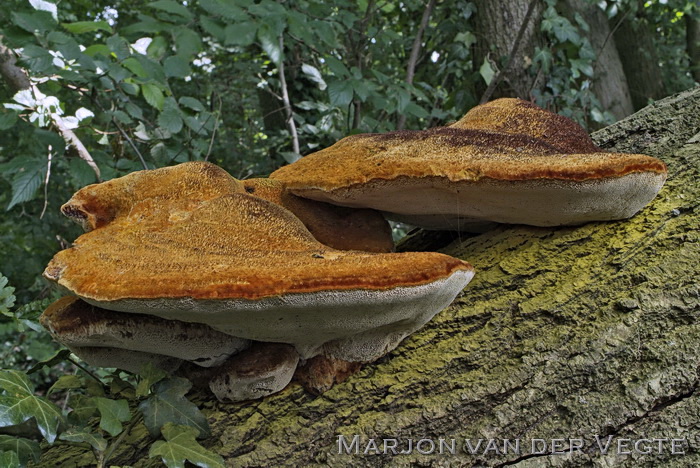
(57, 358)
(180, 446)
(7, 297)
(113, 413)
(66, 382)
(84, 408)
(168, 404)
(9, 460)
(80, 27)
(153, 95)
(19, 404)
(486, 71)
(96, 441)
(24, 448)
(150, 375)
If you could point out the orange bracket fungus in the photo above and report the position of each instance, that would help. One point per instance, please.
(507, 161)
(243, 266)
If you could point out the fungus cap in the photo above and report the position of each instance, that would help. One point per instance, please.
(507, 161)
(261, 370)
(249, 268)
(98, 204)
(75, 323)
(336, 226)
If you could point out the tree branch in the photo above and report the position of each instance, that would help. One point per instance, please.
(415, 51)
(287, 104)
(14, 76)
(516, 45)
(18, 80)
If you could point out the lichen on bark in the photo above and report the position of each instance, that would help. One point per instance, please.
(564, 333)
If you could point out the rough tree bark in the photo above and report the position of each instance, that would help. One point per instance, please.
(497, 25)
(563, 333)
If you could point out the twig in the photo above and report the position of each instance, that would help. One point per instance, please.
(213, 133)
(131, 143)
(287, 104)
(415, 50)
(516, 45)
(46, 182)
(73, 140)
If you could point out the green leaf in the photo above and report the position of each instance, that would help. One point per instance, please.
(337, 67)
(57, 358)
(168, 404)
(98, 49)
(8, 120)
(84, 408)
(9, 460)
(135, 67)
(226, 9)
(187, 42)
(37, 21)
(191, 103)
(486, 71)
(113, 413)
(176, 66)
(170, 118)
(241, 34)
(181, 446)
(26, 182)
(171, 6)
(119, 46)
(96, 441)
(270, 43)
(7, 297)
(150, 375)
(80, 27)
(340, 93)
(153, 95)
(314, 75)
(19, 404)
(25, 449)
(215, 28)
(66, 382)
(158, 48)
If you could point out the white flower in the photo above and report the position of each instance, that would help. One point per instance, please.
(141, 46)
(57, 58)
(45, 6)
(83, 113)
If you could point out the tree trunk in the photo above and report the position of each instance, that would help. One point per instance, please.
(692, 37)
(497, 25)
(635, 46)
(564, 333)
(610, 85)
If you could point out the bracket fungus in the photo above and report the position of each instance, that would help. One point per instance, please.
(234, 267)
(77, 324)
(335, 226)
(507, 161)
